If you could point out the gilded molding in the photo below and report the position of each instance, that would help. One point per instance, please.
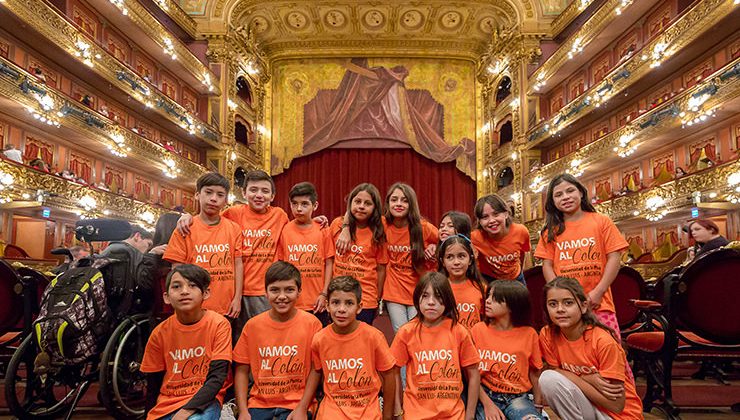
(65, 195)
(44, 19)
(174, 11)
(98, 127)
(466, 50)
(684, 31)
(157, 32)
(587, 33)
(568, 15)
(644, 127)
(674, 192)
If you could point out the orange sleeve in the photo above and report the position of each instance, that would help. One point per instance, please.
(613, 239)
(610, 356)
(279, 254)
(384, 360)
(545, 250)
(329, 247)
(316, 353)
(431, 233)
(468, 353)
(177, 249)
(535, 358)
(232, 213)
(335, 226)
(153, 360)
(238, 241)
(221, 340)
(240, 354)
(526, 243)
(399, 348)
(549, 354)
(382, 254)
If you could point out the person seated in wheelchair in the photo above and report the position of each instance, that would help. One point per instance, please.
(187, 358)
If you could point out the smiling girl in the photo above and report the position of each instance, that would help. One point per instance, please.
(366, 256)
(503, 246)
(435, 350)
(578, 242)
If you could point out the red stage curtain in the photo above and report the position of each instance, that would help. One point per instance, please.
(335, 172)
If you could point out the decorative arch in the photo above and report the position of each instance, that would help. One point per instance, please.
(243, 132)
(244, 90)
(505, 131)
(504, 177)
(503, 89)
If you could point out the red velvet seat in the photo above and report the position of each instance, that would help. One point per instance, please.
(699, 319)
(628, 286)
(11, 303)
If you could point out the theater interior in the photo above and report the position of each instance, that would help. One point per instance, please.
(113, 109)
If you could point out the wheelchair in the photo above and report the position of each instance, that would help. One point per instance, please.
(55, 393)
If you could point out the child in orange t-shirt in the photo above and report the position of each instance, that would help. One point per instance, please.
(435, 350)
(503, 246)
(354, 360)
(411, 242)
(457, 262)
(275, 347)
(366, 256)
(187, 356)
(453, 223)
(588, 375)
(215, 244)
(577, 242)
(309, 247)
(261, 225)
(510, 355)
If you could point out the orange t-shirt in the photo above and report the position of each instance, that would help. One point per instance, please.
(595, 352)
(279, 357)
(580, 252)
(434, 359)
(361, 262)
(214, 248)
(501, 259)
(307, 249)
(506, 357)
(261, 234)
(184, 353)
(350, 364)
(401, 277)
(469, 302)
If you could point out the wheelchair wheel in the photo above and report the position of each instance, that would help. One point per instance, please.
(122, 386)
(32, 396)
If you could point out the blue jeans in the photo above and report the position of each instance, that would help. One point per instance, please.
(212, 412)
(271, 413)
(514, 406)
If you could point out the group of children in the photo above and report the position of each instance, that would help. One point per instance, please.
(298, 300)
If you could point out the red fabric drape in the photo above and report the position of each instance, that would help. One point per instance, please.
(335, 172)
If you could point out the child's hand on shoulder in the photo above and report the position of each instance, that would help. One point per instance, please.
(430, 253)
(183, 224)
(322, 220)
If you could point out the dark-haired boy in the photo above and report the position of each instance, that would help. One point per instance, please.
(275, 347)
(354, 360)
(261, 225)
(187, 356)
(310, 248)
(214, 243)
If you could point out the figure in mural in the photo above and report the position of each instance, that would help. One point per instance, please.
(372, 103)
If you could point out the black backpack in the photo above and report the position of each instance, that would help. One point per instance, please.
(74, 316)
(121, 265)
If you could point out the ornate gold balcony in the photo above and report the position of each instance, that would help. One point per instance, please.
(722, 86)
(19, 86)
(72, 197)
(44, 19)
(568, 15)
(175, 12)
(685, 30)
